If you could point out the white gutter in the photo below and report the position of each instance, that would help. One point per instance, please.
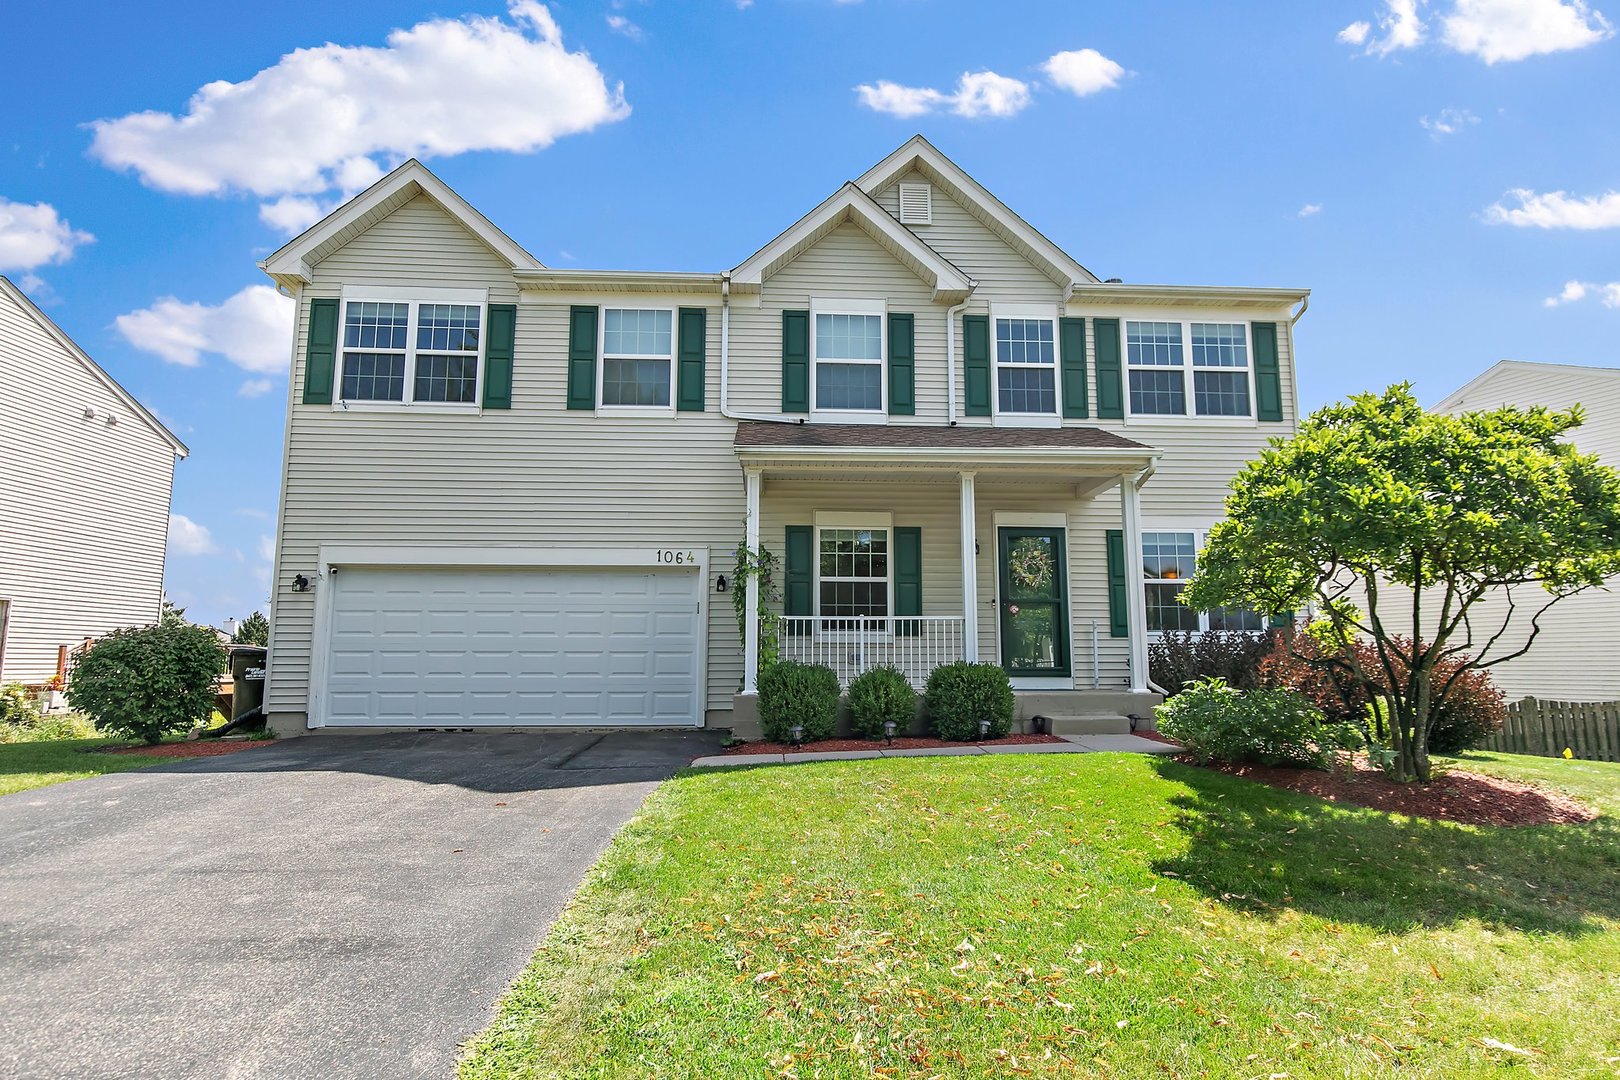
(1142, 478)
(1304, 306)
(725, 366)
(950, 356)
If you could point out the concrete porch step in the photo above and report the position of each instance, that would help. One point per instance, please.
(1094, 724)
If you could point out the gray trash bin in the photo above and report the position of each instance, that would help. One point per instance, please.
(247, 678)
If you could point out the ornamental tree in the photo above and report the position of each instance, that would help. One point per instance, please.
(1395, 526)
(148, 681)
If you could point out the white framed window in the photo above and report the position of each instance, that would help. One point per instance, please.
(854, 569)
(410, 347)
(1169, 559)
(1162, 369)
(638, 359)
(1024, 339)
(847, 351)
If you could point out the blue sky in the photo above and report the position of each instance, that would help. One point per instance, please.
(1445, 176)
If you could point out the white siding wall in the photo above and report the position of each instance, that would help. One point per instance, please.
(540, 475)
(84, 507)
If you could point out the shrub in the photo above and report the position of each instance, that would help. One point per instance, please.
(1272, 727)
(878, 696)
(17, 704)
(147, 682)
(48, 729)
(960, 694)
(1178, 659)
(1473, 710)
(791, 694)
(1296, 662)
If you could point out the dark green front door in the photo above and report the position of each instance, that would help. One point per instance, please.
(1034, 601)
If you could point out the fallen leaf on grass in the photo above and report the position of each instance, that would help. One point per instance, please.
(1506, 1048)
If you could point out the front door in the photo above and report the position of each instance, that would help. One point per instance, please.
(1034, 602)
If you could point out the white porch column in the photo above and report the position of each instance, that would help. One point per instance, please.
(970, 573)
(751, 483)
(1130, 511)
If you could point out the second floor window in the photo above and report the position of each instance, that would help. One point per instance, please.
(638, 351)
(848, 361)
(1156, 357)
(1153, 352)
(1026, 366)
(400, 351)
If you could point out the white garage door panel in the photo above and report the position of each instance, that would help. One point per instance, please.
(496, 647)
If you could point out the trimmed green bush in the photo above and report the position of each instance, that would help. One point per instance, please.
(960, 694)
(791, 694)
(148, 681)
(17, 705)
(878, 696)
(1272, 727)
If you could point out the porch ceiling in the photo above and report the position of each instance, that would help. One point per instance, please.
(1029, 455)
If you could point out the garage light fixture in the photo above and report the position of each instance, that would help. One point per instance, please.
(300, 583)
(721, 584)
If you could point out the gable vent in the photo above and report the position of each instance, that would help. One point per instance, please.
(916, 204)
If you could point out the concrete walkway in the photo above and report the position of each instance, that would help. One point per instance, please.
(1072, 744)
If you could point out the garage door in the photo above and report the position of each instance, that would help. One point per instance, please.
(437, 647)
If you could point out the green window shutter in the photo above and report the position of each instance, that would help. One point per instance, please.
(902, 365)
(1283, 620)
(798, 574)
(1267, 372)
(1072, 343)
(582, 357)
(796, 363)
(1119, 612)
(690, 356)
(1110, 385)
(908, 578)
(975, 365)
(498, 348)
(320, 351)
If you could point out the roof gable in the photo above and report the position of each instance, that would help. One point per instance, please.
(19, 299)
(920, 155)
(851, 205)
(290, 265)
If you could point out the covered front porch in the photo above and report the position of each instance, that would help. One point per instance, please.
(917, 546)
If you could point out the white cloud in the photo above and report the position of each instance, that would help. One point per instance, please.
(1083, 71)
(292, 214)
(1556, 210)
(1497, 30)
(1310, 209)
(252, 388)
(441, 87)
(1576, 291)
(980, 93)
(1493, 30)
(252, 329)
(34, 234)
(621, 25)
(1448, 121)
(1356, 33)
(186, 537)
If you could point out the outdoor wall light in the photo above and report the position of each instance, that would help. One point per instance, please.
(300, 583)
(721, 584)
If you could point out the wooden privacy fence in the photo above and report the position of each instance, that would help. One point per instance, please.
(1588, 729)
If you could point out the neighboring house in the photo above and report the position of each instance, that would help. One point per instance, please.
(1576, 656)
(85, 476)
(511, 492)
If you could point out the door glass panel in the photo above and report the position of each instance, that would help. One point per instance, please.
(1032, 637)
(1031, 569)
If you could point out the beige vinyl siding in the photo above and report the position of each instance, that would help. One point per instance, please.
(536, 475)
(1573, 658)
(844, 264)
(84, 507)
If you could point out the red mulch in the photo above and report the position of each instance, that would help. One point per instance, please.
(904, 742)
(184, 749)
(1455, 795)
(1156, 737)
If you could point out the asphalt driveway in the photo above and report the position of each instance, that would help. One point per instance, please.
(346, 906)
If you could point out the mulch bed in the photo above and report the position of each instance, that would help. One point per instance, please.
(183, 749)
(904, 742)
(1455, 795)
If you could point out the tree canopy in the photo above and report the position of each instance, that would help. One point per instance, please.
(1397, 524)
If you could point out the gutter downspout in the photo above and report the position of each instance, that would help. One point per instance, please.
(1142, 478)
(725, 366)
(950, 355)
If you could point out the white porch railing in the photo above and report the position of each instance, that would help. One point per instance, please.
(915, 644)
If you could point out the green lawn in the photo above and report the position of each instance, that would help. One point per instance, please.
(27, 765)
(1057, 915)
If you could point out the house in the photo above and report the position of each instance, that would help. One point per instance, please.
(85, 476)
(513, 494)
(1573, 656)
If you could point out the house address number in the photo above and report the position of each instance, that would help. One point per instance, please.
(671, 557)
